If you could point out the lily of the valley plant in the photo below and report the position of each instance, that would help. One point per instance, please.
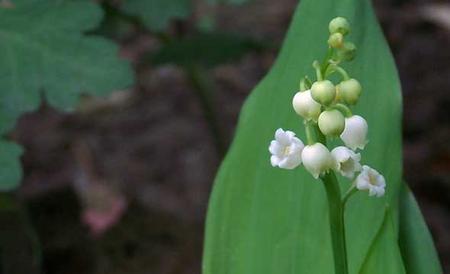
(325, 108)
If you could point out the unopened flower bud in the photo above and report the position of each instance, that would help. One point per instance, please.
(336, 40)
(355, 132)
(340, 25)
(317, 159)
(305, 106)
(349, 91)
(323, 92)
(347, 52)
(331, 122)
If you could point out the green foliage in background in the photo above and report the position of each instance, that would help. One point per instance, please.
(157, 14)
(231, 2)
(207, 49)
(45, 53)
(263, 220)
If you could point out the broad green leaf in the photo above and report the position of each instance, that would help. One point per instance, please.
(157, 14)
(10, 170)
(44, 52)
(415, 240)
(265, 220)
(384, 254)
(208, 49)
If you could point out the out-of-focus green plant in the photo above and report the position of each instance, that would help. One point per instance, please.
(44, 54)
(157, 14)
(263, 220)
(195, 48)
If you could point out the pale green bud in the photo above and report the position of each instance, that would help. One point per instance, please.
(347, 52)
(336, 40)
(349, 91)
(323, 92)
(305, 106)
(339, 24)
(331, 123)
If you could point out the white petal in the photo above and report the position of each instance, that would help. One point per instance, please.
(380, 191)
(296, 146)
(290, 162)
(274, 160)
(341, 153)
(283, 137)
(362, 182)
(376, 187)
(355, 132)
(381, 182)
(298, 142)
(278, 133)
(317, 159)
(347, 161)
(305, 106)
(275, 148)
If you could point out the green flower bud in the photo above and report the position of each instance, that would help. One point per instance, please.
(336, 40)
(339, 24)
(331, 122)
(323, 92)
(347, 52)
(349, 91)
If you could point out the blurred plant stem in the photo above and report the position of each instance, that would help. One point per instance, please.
(20, 250)
(197, 74)
(204, 90)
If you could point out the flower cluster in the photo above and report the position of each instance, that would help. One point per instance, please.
(325, 108)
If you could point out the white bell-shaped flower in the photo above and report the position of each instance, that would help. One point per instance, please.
(347, 161)
(286, 150)
(317, 159)
(305, 106)
(371, 180)
(355, 132)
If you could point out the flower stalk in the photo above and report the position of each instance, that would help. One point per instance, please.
(337, 224)
(325, 108)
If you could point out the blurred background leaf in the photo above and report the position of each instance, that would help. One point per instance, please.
(208, 49)
(44, 53)
(10, 170)
(232, 2)
(157, 14)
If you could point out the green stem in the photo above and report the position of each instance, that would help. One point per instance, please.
(309, 133)
(342, 72)
(337, 226)
(335, 212)
(352, 190)
(343, 109)
(326, 62)
(319, 135)
(303, 85)
(203, 88)
(316, 66)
